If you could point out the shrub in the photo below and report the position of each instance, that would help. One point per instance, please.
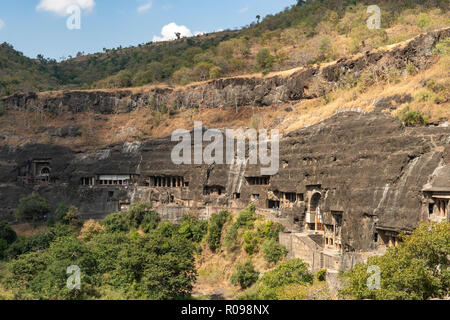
(418, 269)
(250, 242)
(321, 275)
(264, 61)
(247, 217)
(2, 110)
(32, 208)
(273, 252)
(193, 229)
(270, 230)
(140, 211)
(443, 47)
(61, 211)
(293, 271)
(245, 275)
(72, 217)
(7, 233)
(215, 230)
(150, 221)
(412, 117)
(91, 229)
(116, 222)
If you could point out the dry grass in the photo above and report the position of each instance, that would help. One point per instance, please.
(27, 230)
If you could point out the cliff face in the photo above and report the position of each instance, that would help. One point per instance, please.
(363, 173)
(306, 83)
(366, 166)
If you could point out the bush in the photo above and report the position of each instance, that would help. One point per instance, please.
(2, 110)
(418, 269)
(91, 229)
(150, 221)
(61, 211)
(250, 242)
(193, 229)
(277, 284)
(72, 217)
(273, 252)
(138, 212)
(116, 222)
(245, 275)
(412, 117)
(293, 271)
(247, 217)
(215, 230)
(7, 233)
(32, 208)
(264, 61)
(321, 275)
(443, 47)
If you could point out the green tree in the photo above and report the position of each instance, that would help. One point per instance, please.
(264, 61)
(245, 275)
(32, 208)
(418, 269)
(273, 252)
(215, 229)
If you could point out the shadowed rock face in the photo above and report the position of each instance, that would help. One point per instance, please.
(365, 165)
(307, 83)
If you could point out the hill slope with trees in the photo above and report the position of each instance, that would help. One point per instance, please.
(308, 32)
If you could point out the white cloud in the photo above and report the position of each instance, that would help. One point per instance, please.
(60, 6)
(145, 7)
(243, 10)
(199, 33)
(169, 30)
(2, 24)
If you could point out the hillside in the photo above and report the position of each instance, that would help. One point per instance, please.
(397, 78)
(304, 34)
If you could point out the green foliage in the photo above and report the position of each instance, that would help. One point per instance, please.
(32, 208)
(2, 109)
(292, 271)
(272, 285)
(7, 233)
(215, 230)
(7, 237)
(39, 241)
(264, 61)
(193, 229)
(214, 55)
(251, 242)
(245, 275)
(270, 230)
(116, 222)
(245, 220)
(418, 269)
(321, 275)
(412, 117)
(140, 211)
(443, 47)
(114, 263)
(273, 252)
(61, 211)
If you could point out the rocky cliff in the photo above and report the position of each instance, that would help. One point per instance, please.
(306, 83)
(366, 166)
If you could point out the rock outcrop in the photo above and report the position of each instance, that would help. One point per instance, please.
(365, 166)
(308, 82)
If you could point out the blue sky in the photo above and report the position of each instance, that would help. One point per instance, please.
(39, 26)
